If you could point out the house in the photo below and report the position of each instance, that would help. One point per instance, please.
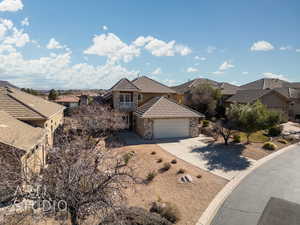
(32, 110)
(153, 109)
(27, 142)
(68, 101)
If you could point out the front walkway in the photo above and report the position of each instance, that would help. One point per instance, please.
(279, 178)
(224, 161)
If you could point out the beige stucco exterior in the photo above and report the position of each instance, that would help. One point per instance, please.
(144, 97)
(275, 101)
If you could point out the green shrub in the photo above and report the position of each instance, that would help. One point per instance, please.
(166, 210)
(205, 123)
(283, 141)
(181, 171)
(127, 157)
(237, 138)
(151, 175)
(269, 146)
(275, 131)
(165, 167)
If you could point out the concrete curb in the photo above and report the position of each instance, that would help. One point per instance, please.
(210, 212)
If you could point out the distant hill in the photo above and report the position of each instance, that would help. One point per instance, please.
(4, 83)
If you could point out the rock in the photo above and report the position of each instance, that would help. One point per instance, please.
(186, 179)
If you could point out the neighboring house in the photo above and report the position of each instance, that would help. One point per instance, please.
(27, 142)
(4, 83)
(68, 101)
(32, 110)
(152, 109)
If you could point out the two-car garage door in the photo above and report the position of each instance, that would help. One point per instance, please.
(169, 128)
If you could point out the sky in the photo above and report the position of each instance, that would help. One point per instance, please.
(76, 44)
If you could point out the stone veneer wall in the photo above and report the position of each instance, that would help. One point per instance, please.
(194, 130)
(148, 129)
(116, 100)
(135, 99)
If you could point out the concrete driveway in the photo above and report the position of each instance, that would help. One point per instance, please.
(226, 162)
(277, 178)
(220, 160)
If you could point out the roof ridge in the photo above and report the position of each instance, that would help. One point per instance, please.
(158, 100)
(155, 82)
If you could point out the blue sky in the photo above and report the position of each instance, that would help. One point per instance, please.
(92, 44)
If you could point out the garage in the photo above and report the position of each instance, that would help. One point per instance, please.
(170, 128)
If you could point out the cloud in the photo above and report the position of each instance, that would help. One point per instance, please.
(11, 5)
(276, 76)
(54, 44)
(286, 48)
(25, 22)
(245, 72)
(17, 38)
(161, 48)
(225, 66)
(211, 49)
(157, 71)
(200, 58)
(113, 48)
(298, 50)
(262, 46)
(192, 70)
(104, 27)
(218, 72)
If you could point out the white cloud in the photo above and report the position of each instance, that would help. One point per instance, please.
(54, 44)
(157, 71)
(25, 22)
(275, 76)
(225, 66)
(170, 82)
(262, 46)
(218, 72)
(192, 70)
(298, 50)
(200, 58)
(161, 48)
(245, 72)
(18, 38)
(113, 48)
(11, 5)
(104, 27)
(211, 49)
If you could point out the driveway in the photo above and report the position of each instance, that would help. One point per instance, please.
(278, 178)
(226, 162)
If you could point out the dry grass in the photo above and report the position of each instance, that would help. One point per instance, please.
(191, 199)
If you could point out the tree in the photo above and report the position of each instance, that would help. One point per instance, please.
(204, 98)
(251, 118)
(225, 128)
(53, 94)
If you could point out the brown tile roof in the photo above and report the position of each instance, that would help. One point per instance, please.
(265, 83)
(148, 85)
(67, 98)
(25, 106)
(18, 134)
(161, 107)
(124, 85)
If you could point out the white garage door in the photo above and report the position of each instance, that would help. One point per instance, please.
(169, 128)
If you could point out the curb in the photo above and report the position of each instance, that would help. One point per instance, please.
(210, 212)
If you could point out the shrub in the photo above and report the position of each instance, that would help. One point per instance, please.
(127, 157)
(166, 210)
(205, 123)
(159, 160)
(165, 167)
(181, 171)
(275, 131)
(269, 146)
(237, 138)
(174, 161)
(153, 153)
(151, 175)
(283, 141)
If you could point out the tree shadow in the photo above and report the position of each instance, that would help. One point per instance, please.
(226, 158)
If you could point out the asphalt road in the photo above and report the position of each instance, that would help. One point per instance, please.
(279, 178)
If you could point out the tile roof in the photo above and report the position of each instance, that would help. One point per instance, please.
(4, 83)
(148, 85)
(265, 83)
(25, 106)
(67, 98)
(162, 107)
(18, 134)
(124, 85)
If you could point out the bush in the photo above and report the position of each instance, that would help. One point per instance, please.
(151, 175)
(159, 160)
(181, 171)
(275, 131)
(283, 141)
(205, 123)
(237, 138)
(166, 210)
(166, 167)
(269, 146)
(127, 157)
(136, 216)
(174, 161)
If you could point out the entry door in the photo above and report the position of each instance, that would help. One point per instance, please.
(170, 128)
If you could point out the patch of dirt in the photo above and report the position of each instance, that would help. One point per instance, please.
(190, 198)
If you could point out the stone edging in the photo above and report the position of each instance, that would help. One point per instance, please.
(210, 212)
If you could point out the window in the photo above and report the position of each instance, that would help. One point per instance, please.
(125, 98)
(121, 98)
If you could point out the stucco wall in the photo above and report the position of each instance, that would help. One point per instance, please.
(148, 96)
(275, 102)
